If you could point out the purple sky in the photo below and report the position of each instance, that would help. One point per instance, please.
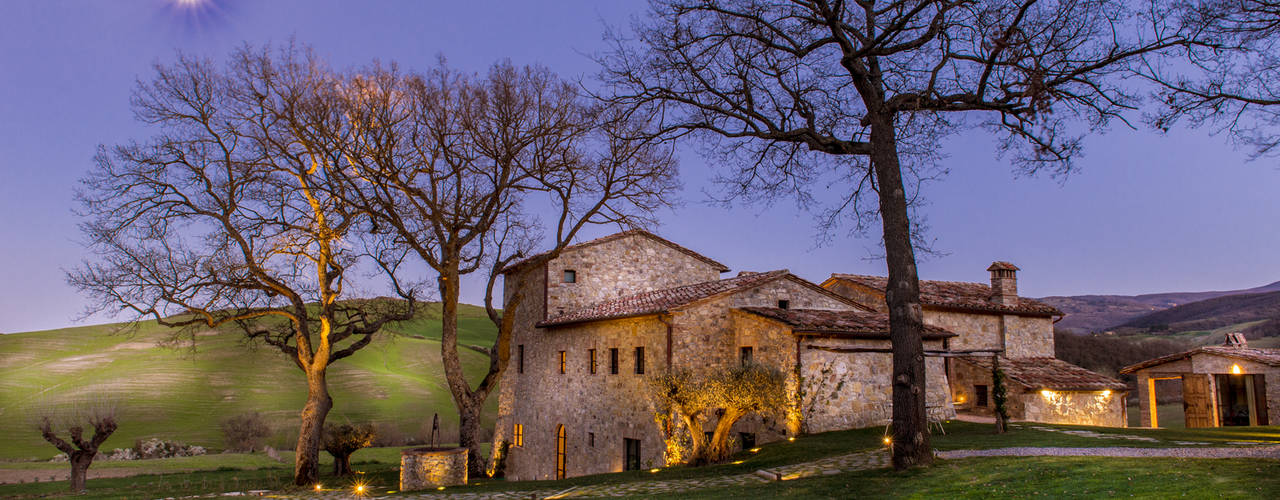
(1146, 213)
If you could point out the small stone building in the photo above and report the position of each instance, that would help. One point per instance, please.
(1225, 385)
(993, 320)
(603, 316)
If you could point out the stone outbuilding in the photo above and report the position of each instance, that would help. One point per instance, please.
(1225, 385)
(992, 320)
(606, 315)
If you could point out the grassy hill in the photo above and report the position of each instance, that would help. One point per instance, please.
(183, 394)
(1092, 313)
(1211, 313)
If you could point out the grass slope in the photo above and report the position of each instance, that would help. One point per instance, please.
(1211, 313)
(182, 395)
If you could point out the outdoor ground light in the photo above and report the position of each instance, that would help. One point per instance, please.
(888, 440)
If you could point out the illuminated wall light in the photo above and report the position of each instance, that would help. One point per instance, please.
(1106, 392)
(1235, 370)
(1046, 393)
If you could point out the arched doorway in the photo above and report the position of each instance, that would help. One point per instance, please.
(560, 451)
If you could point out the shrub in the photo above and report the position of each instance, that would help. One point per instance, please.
(245, 432)
(343, 440)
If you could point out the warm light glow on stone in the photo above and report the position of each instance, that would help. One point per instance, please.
(1235, 369)
(1106, 392)
(1046, 393)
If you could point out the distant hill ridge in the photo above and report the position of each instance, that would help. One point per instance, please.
(1090, 313)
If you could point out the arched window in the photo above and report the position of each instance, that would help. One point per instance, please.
(560, 449)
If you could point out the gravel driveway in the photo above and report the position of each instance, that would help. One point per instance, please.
(1272, 451)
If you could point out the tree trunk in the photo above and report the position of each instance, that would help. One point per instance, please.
(902, 295)
(719, 449)
(80, 462)
(463, 398)
(342, 463)
(306, 469)
(697, 440)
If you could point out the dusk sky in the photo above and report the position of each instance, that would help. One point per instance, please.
(1145, 213)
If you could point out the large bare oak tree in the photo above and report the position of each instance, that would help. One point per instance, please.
(788, 92)
(231, 215)
(461, 169)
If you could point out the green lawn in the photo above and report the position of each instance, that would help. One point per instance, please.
(1028, 477)
(182, 395)
(978, 477)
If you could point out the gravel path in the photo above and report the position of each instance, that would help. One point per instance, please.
(1026, 451)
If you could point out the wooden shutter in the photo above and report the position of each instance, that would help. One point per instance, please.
(1197, 402)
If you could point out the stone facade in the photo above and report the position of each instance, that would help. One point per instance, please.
(422, 468)
(604, 414)
(1076, 407)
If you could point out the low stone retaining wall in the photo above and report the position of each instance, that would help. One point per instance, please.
(422, 468)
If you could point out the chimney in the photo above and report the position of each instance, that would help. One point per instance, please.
(1236, 339)
(1004, 283)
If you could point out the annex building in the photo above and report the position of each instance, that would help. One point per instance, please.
(603, 315)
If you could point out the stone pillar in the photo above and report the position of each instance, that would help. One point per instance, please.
(423, 468)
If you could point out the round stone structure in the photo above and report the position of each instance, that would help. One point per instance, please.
(423, 468)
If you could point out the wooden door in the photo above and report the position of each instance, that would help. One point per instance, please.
(1260, 399)
(1197, 404)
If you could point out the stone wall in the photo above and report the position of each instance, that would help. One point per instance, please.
(1209, 364)
(597, 410)
(866, 296)
(1028, 336)
(625, 266)
(1099, 408)
(976, 331)
(422, 468)
(852, 390)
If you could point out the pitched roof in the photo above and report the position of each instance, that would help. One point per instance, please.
(617, 236)
(854, 323)
(1270, 357)
(1001, 265)
(1050, 373)
(958, 295)
(660, 301)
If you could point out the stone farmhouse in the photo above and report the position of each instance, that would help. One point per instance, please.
(1231, 384)
(602, 316)
(992, 320)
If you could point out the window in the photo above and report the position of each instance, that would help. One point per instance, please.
(570, 276)
(631, 454)
(784, 304)
(520, 358)
(982, 395)
(591, 360)
(591, 439)
(613, 361)
(639, 361)
(560, 451)
(747, 439)
(744, 354)
(517, 435)
(562, 362)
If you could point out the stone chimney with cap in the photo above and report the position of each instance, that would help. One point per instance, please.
(1235, 339)
(1004, 283)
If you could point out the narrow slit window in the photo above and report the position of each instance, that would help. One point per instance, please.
(591, 439)
(560, 452)
(562, 363)
(520, 358)
(639, 361)
(570, 276)
(745, 354)
(591, 360)
(517, 435)
(613, 361)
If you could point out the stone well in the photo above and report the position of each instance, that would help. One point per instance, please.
(422, 468)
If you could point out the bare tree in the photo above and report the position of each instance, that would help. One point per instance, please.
(793, 94)
(1232, 85)
(231, 216)
(80, 452)
(458, 167)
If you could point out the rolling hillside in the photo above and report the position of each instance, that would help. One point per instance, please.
(1214, 313)
(1092, 313)
(182, 395)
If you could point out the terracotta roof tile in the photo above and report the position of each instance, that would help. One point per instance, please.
(617, 236)
(658, 301)
(959, 295)
(857, 323)
(1001, 265)
(1050, 373)
(1270, 357)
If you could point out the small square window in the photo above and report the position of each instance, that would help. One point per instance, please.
(570, 276)
(784, 304)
